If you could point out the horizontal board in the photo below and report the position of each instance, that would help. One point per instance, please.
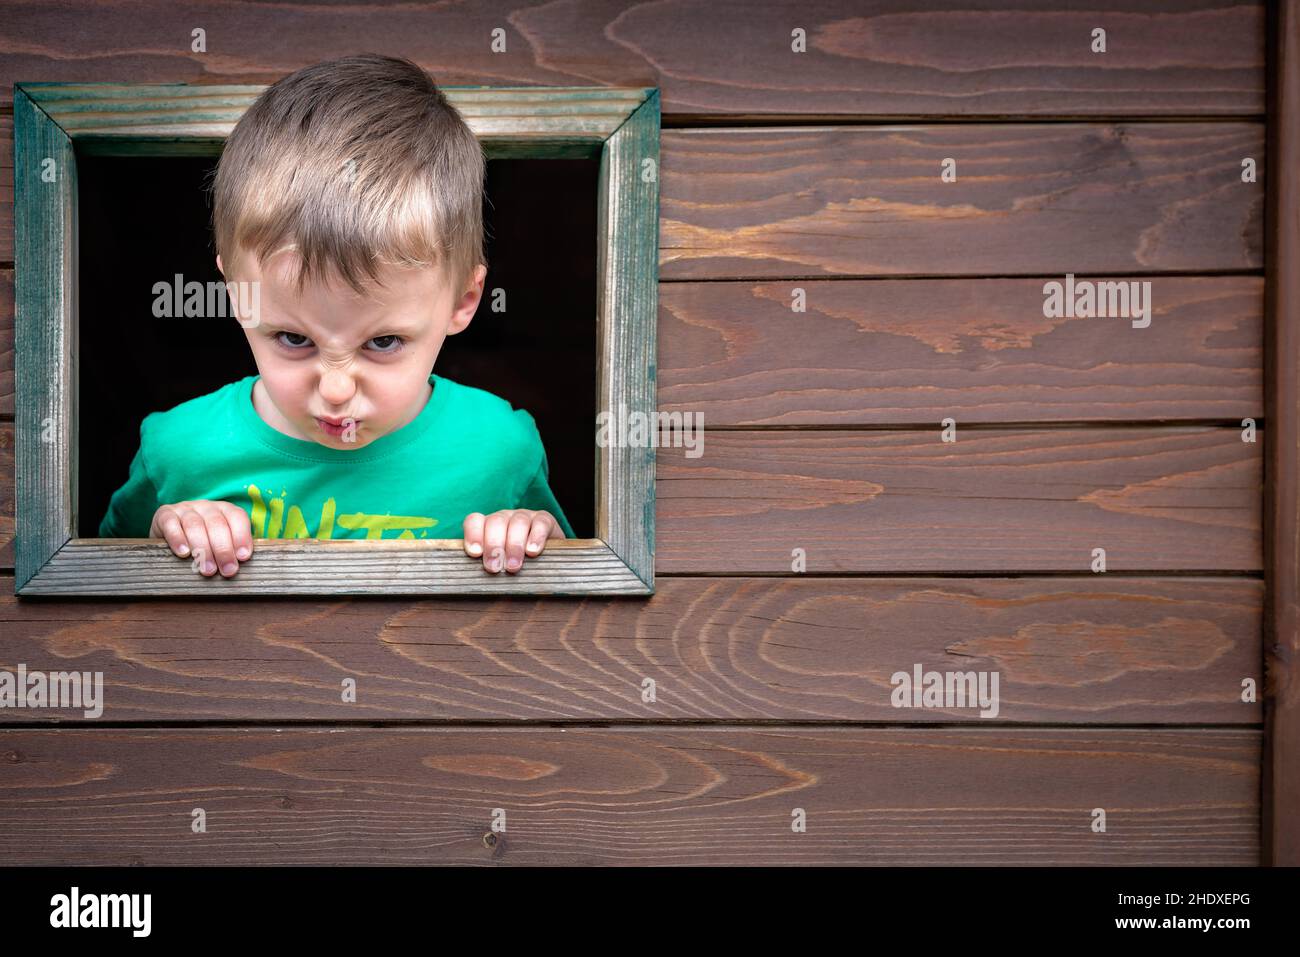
(994, 500)
(886, 57)
(1028, 200)
(912, 352)
(1066, 651)
(279, 567)
(1003, 500)
(662, 796)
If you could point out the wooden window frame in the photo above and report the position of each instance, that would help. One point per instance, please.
(620, 126)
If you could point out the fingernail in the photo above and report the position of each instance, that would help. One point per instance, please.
(475, 548)
(494, 564)
(209, 568)
(229, 568)
(242, 554)
(534, 546)
(513, 563)
(183, 551)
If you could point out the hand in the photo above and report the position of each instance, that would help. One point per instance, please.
(505, 537)
(217, 534)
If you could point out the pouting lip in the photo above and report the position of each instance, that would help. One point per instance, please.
(337, 423)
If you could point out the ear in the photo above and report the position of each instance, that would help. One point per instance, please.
(464, 308)
(220, 268)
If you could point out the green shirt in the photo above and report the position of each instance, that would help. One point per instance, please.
(467, 451)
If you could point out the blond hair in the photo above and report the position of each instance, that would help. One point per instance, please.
(353, 163)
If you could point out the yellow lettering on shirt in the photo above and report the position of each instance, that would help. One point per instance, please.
(295, 525)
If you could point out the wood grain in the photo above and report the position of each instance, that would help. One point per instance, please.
(962, 58)
(1028, 200)
(1004, 500)
(999, 500)
(1067, 651)
(1038, 199)
(6, 342)
(912, 352)
(620, 796)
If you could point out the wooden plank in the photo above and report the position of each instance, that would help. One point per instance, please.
(912, 352)
(1282, 492)
(393, 566)
(960, 58)
(6, 342)
(1028, 200)
(45, 335)
(627, 288)
(1066, 650)
(1042, 199)
(654, 796)
(995, 500)
(6, 184)
(8, 504)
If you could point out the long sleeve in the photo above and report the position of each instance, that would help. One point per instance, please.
(131, 509)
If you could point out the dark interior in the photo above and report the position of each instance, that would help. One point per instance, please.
(144, 219)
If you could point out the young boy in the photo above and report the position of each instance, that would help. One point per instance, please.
(347, 213)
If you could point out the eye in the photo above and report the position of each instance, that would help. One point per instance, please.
(387, 344)
(289, 344)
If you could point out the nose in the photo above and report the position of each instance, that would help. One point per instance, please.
(336, 386)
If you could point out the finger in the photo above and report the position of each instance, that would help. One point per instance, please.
(494, 541)
(220, 538)
(474, 522)
(196, 533)
(241, 530)
(169, 525)
(516, 535)
(538, 533)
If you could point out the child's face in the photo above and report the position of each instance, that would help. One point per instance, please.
(330, 355)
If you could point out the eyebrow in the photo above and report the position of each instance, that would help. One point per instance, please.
(397, 328)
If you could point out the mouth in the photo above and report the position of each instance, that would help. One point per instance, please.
(336, 427)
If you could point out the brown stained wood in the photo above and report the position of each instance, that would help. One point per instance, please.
(8, 500)
(1007, 500)
(885, 58)
(1066, 651)
(6, 342)
(1004, 500)
(7, 190)
(1281, 784)
(620, 796)
(908, 352)
(1028, 200)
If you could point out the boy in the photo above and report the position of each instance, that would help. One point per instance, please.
(347, 213)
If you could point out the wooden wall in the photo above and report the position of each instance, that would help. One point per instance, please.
(817, 171)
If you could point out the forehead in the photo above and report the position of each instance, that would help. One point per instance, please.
(397, 286)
